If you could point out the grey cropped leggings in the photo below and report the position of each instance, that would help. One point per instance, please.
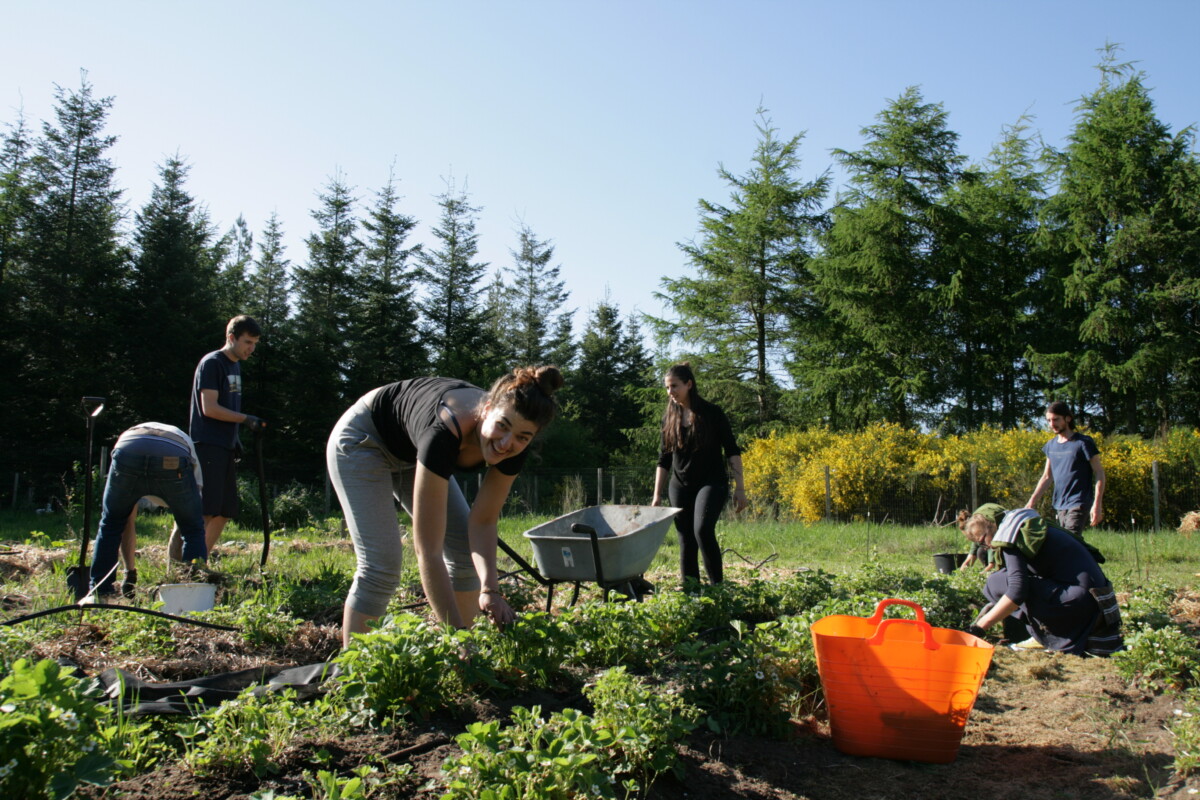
(369, 479)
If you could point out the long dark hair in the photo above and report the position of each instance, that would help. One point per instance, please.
(675, 436)
(531, 392)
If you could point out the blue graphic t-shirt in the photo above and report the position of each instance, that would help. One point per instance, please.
(216, 371)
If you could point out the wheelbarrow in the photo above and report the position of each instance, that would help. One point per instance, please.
(610, 545)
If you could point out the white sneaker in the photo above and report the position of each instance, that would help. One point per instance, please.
(1028, 644)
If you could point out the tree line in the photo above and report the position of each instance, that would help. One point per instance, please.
(104, 303)
(927, 291)
(946, 295)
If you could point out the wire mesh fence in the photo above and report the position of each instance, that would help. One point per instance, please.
(1159, 500)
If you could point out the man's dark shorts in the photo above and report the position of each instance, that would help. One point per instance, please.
(220, 480)
(1073, 519)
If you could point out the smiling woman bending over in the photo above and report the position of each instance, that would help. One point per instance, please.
(404, 441)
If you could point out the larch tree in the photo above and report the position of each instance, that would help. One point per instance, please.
(885, 265)
(751, 279)
(1128, 207)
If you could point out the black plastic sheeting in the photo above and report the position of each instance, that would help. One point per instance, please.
(141, 698)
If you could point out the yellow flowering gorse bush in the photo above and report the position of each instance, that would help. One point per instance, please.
(787, 470)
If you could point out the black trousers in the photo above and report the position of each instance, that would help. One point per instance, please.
(697, 528)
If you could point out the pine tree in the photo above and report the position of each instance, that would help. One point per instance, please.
(72, 275)
(174, 299)
(752, 281)
(327, 293)
(454, 330)
(384, 344)
(536, 327)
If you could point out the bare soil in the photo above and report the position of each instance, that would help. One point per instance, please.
(1044, 726)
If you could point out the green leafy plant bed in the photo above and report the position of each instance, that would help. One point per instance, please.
(701, 694)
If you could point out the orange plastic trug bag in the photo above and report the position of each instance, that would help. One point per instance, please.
(898, 688)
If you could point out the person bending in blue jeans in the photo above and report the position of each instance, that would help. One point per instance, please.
(697, 444)
(159, 462)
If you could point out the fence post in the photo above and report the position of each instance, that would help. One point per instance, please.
(1154, 475)
(974, 485)
(16, 487)
(828, 496)
(599, 485)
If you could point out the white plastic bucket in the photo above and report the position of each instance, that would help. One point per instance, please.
(179, 598)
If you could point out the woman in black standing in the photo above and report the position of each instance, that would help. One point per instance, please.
(697, 444)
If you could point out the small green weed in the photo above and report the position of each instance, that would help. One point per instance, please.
(406, 667)
(1185, 727)
(248, 733)
(50, 733)
(559, 758)
(1159, 657)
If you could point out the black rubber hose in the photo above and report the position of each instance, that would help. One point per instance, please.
(262, 500)
(149, 611)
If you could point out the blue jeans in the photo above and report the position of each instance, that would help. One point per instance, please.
(131, 477)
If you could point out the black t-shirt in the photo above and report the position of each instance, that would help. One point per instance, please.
(702, 463)
(406, 416)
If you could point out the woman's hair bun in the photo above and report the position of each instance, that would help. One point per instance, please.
(549, 379)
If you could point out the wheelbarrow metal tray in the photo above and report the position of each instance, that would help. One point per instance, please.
(628, 537)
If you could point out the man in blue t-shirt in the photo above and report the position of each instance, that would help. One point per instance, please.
(1073, 464)
(216, 413)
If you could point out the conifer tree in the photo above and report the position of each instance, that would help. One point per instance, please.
(267, 300)
(384, 343)
(454, 327)
(1129, 209)
(174, 300)
(235, 256)
(327, 292)
(537, 327)
(884, 268)
(752, 284)
(72, 274)
(612, 362)
(990, 297)
(15, 189)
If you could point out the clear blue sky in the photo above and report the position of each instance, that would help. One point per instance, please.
(598, 124)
